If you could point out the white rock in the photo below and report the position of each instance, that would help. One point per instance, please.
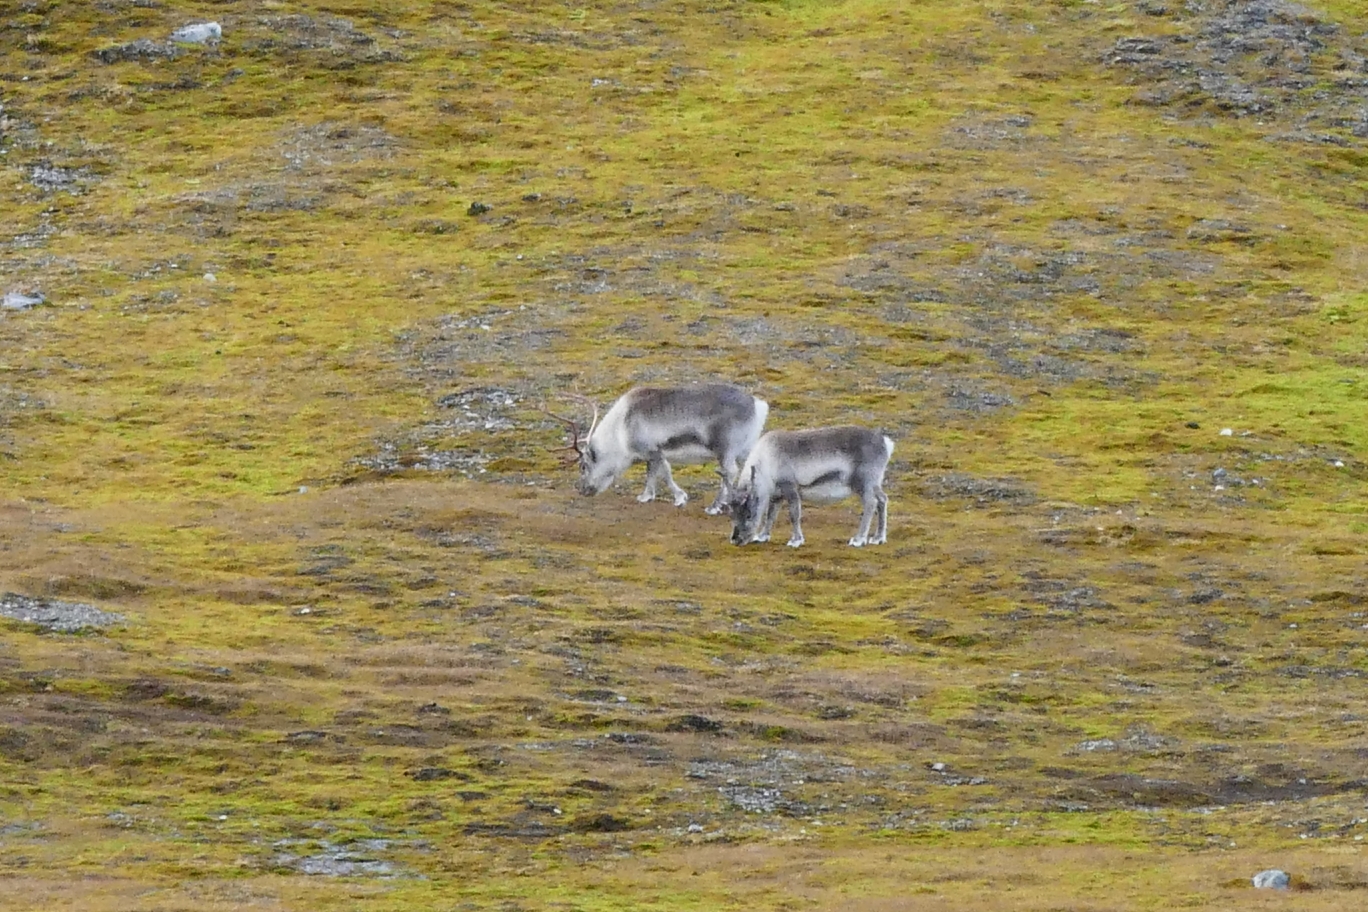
(199, 33)
(1227, 432)
(1272, 879)
(210, 277)
(14, 300)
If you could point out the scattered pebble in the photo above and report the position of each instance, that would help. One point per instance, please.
(478, 208)
(210, 277)
(1272, 879)
(1227, 432)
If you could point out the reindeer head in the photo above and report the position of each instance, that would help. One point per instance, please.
(744, 507)
(585, 453)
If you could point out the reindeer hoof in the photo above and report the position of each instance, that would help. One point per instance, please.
(796, 542)
(858, 542)
(713, 511)
(681, 499)
(645, 497)
(760, 538)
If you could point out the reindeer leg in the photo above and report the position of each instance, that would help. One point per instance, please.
(727, 465)
(871, 505)
(881, 535)
(653, 464)
(766, 514)
(795, 516)
(680, 497)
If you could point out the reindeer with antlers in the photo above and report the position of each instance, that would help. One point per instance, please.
(685, 425)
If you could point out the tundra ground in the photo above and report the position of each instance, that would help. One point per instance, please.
(349, 640)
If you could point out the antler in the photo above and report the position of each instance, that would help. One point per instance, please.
(585, 400)
(573, 427)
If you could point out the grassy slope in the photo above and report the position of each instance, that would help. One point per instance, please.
(863, 210)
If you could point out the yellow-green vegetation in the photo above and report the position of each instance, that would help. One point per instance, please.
(1098, 267)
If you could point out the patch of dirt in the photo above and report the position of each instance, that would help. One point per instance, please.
(1250, 58)
(331, 42)
(359, 858)
(982, 491)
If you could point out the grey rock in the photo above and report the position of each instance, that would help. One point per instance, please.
(51, 178)
(1272, 879)
(199, 33)
(355, 859)
(15, 300)
(1218, 230)
(64, 617)
(1101, 744)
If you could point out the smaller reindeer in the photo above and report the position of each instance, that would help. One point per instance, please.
(684, 425)
(824, 465)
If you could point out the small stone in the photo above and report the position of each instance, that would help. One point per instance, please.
(1272, 879)
(478, 208)
(1227, 432)
(1339, 463)
(210, 277)
(1218, 473)
(199, 33)
(695, 828)
(1194, 425)
(938, 767)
